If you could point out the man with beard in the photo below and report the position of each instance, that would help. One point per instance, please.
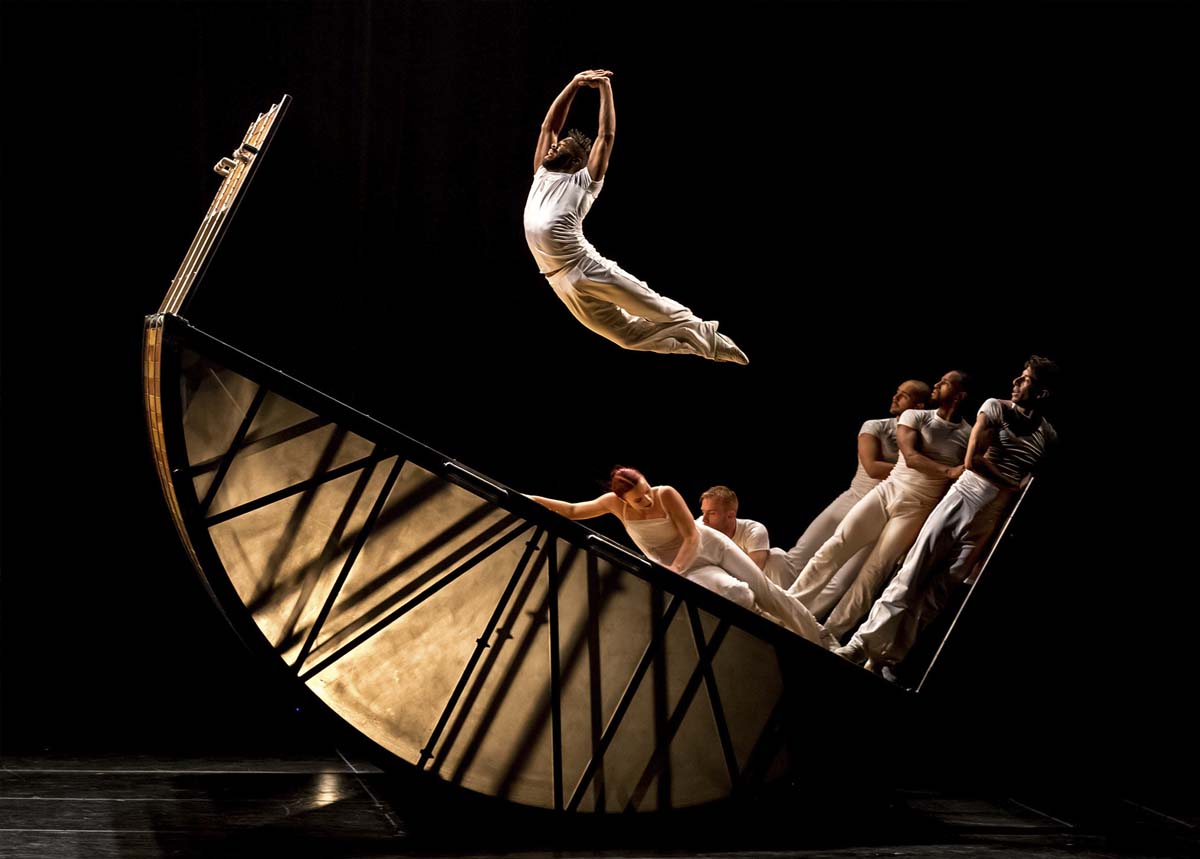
(1010, 438)
(933, 444)
(568, 175)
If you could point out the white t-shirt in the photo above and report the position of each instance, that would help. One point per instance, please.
(554, 213)
(941, 441)
(748, 535)
(1016, 449)
(883, 429)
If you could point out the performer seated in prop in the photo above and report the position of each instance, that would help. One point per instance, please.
(1009, 440)
(568, 175)
(877, 453)
(658, 521)
(933, 444)
(718, 510)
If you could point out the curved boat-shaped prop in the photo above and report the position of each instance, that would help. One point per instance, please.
(454, 623)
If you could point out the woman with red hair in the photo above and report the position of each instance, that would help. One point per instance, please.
(658, 521)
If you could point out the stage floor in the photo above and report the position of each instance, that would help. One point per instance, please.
(337, 806)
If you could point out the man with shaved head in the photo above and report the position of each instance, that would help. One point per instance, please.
(877, 453)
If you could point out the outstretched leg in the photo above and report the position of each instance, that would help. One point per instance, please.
(813, 538)
(623, 309)
(720, 582)
(860, 527)
(891, 627)
(768, 595)
(897, 537)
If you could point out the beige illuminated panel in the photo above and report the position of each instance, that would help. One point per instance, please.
(376, 579)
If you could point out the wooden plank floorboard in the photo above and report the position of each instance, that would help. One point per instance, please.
(147, 808)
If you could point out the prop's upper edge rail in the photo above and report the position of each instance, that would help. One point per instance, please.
(179, 329)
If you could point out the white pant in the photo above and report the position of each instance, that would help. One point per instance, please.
(725, 569)
(943, 555)
(779, 569)
(889, 516)
(619, 307)
(813, 538)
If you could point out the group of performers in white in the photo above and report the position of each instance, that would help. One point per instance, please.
(927, 494)
(926, 497)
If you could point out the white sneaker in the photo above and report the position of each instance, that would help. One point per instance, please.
(853, 651)
(888, 674)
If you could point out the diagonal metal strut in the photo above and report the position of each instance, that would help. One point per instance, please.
(360, 540)
(378, 627)
(614, 722)
(481, 644)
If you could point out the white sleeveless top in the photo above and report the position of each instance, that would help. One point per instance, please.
(657, 538)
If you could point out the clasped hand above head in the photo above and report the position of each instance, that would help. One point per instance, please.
(592, 77)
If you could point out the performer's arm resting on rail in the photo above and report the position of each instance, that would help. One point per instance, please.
(906, 437)
(673, 503)
(869, 453)
(606, 503)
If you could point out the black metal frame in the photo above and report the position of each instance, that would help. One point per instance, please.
(178, 331)
(548, 527)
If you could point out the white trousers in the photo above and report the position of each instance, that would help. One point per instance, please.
(943, 555)
(890, 517)
(813, 538)
(617, 306)
(779, 569)
(725, 569)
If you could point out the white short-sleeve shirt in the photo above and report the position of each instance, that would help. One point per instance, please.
(942, 441)
(883, 429)
(1013, 452)
(748, 535)
(554, 213)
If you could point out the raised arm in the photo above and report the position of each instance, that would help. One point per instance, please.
(681, 517)
(606, 129)
(869, 453)
(906, 438)
(556, 116)
(606, 503)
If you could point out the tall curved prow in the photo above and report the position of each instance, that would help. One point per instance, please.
(236, 171)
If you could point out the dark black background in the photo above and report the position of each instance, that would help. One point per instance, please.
(860, 193)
